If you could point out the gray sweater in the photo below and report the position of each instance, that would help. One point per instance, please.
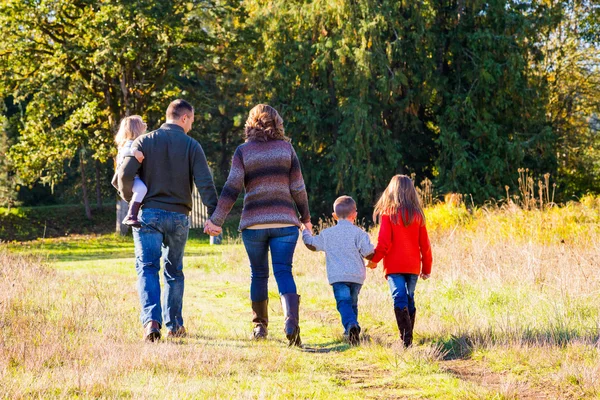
(173, 162)
(345, 245)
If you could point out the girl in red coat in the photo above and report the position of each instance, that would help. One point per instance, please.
(404, 246)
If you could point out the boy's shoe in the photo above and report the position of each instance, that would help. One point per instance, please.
(152, 331)
(354, 335)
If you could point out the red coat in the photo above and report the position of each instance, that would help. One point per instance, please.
(403, 248)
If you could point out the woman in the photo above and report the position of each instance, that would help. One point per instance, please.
(267, 167)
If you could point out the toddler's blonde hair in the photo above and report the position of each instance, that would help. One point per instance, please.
(131, 127)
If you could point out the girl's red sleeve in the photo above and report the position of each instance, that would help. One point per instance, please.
(426, 257)
(384, 240)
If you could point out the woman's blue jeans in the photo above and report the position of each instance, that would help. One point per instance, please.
(282, 243)
(402, 287)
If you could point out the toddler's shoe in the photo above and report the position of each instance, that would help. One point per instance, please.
(131, 221)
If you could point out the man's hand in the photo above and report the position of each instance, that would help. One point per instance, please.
(307, 226)
(425, 276)
(212, 229)
(371, 265)
(138, 155)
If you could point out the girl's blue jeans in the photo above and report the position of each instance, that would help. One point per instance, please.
(402, 287)
(282, 243)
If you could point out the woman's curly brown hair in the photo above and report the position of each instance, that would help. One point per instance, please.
(263, 124)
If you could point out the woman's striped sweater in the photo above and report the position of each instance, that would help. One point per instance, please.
(275, 192)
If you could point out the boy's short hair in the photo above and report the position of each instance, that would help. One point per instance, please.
(344, 206)
(178, 108)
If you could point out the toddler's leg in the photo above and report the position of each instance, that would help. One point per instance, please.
(139, 192)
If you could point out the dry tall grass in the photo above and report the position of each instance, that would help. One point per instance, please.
(514, 291)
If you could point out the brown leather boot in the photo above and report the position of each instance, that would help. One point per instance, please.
(404, 325)
(260, 318)
(176, 333)
(152, 331)
(132, 215)
(291, 310)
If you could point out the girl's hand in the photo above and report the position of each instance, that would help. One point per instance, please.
(371, 265)
(425, 276)
(138, 155)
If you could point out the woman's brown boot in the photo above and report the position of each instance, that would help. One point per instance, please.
(260, 318)
(291, 310)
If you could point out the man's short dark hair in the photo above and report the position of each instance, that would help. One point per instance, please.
(178, 108)
(344, 206)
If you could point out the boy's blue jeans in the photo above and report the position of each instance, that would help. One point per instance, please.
(282, 243)
(346, 297)
(403, 287)
(163, 233)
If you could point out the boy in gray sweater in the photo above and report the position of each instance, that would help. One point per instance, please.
(345, 245)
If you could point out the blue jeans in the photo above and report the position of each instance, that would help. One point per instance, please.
(402, 287)
(163, 233)
(346, 297)
(282, 243)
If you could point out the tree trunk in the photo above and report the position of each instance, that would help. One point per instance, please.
(122, 208)
(86, 201)
(98, 185)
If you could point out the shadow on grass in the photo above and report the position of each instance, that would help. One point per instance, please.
(461, 346)
(329, 347)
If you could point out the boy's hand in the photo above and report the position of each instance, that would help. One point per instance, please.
(138, 155)
(425, 276)
(371, 265)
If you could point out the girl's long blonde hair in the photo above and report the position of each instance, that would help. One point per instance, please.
(131, 127)
(400, 201)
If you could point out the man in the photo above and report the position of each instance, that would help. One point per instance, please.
(173, 163)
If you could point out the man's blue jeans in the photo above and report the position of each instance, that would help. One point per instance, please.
(403, 287)
(163, 233)
(346, 297)
(282, 243)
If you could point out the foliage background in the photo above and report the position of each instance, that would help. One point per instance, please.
(463, 92)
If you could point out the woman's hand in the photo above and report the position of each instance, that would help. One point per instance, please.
(212, 229)
(371, 265)
(308, 226)
(425, 276)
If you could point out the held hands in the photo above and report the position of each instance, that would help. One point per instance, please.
(307, 226)
(371, 265)
(212, 229)
(139, 156)
(425, 276)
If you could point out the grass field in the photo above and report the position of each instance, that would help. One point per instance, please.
(512, 311)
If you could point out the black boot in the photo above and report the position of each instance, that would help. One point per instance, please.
(132, 215)
(290, 302)
(260, 318)
(404, 325)
(412, 321)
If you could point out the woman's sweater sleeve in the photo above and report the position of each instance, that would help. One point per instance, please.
(298, 189)
(231, 190)
(384, 240)
(425, 246)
